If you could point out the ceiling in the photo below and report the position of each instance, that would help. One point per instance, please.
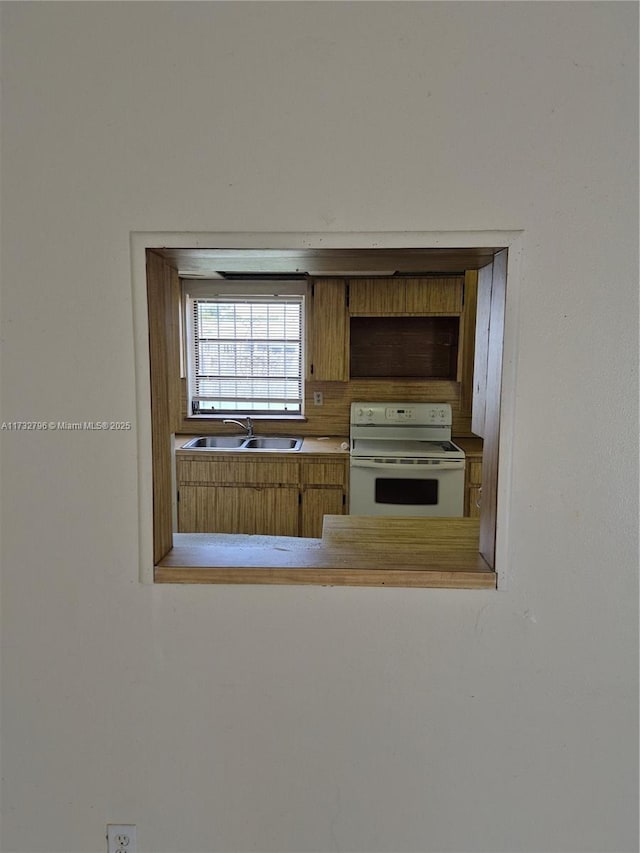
(219, 263)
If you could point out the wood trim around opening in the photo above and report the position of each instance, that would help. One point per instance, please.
(192, 560)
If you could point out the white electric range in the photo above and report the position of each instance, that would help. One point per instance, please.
(403, 461)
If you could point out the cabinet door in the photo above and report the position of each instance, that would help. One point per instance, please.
(243, 509)
(434, 296)
(198, 509)
(275, 511)
(376, 296)
(474, 497)
(473, 486)
(316, 503)
(329, 337)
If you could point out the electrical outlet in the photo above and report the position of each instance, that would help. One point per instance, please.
(121, 838)
(317, 398)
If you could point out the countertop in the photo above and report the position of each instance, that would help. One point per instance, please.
(331, 445)
(472, 446)
(353, 551)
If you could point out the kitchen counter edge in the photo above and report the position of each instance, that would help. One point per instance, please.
(315, 445)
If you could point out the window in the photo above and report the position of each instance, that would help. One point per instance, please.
(245, 347)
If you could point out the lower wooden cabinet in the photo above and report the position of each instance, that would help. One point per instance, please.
(316, 503)
(260, 495)
(473, 487)
(242, 509)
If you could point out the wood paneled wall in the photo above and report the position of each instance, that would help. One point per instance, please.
(163, 287)
(466, 348)
(332, 417)
(483, 313)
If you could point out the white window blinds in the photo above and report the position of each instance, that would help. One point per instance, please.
(246, 354)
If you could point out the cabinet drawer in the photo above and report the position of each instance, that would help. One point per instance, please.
(322, 473)
(247, 471)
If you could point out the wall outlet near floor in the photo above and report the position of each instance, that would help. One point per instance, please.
(121, 838)
(317, 398)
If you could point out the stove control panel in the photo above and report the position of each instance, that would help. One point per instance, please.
(439, 414)
(402, 414)
(399, 416)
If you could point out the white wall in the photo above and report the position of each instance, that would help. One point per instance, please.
(304, 719)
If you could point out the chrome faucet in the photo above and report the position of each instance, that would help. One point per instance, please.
(248, 426)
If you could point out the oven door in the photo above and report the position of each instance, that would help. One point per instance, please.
(416, 487)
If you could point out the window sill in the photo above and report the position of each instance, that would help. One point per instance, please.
(353, 551)
(221, 418)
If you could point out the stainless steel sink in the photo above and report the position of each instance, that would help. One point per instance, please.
(258, 442)
(272, 443)
(211, 442)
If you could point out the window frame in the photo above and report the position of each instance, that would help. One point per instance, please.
(193, 289)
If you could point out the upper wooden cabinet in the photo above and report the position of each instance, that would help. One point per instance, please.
(377, 296)
(419, 328)
(414, 297)
(329, 333)
(435, 295)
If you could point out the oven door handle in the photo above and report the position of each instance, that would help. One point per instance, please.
(408, 466)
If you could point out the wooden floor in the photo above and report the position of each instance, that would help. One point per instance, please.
(353, 551)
